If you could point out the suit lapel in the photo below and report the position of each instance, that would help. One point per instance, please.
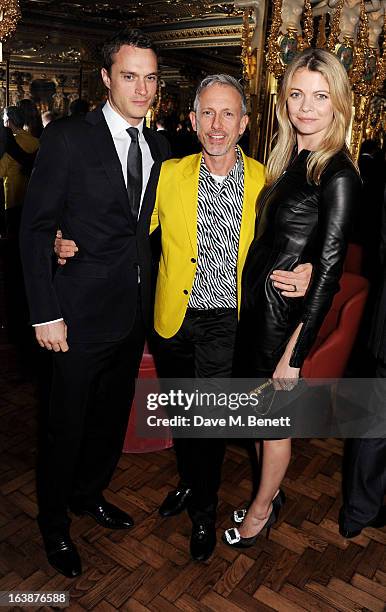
(249, 210)
(105, 149)
(152, 142)
(149, 195)
(189, 198)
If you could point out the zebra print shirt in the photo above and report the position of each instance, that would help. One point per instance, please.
(220, 206)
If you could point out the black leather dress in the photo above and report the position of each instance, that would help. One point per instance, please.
(297, 222)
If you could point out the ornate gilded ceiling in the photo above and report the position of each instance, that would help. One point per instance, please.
(54, 32)
(144, 13)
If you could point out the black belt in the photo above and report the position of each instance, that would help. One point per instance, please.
(208, 312)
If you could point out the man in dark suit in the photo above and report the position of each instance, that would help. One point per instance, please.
(364, 481)
(95, 178)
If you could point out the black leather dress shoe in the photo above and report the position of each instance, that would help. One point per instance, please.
(378, 523)
(105, 514)
(347, 533)
(202, 541)
(63, 555)
(175, 502)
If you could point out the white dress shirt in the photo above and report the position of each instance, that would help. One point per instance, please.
(118, 126)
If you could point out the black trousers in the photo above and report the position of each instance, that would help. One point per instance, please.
(17, 317)
(364, 476)
(202, 348)
(92, 390)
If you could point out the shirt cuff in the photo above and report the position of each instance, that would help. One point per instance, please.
(47, 322)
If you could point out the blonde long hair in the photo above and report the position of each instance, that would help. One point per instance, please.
(328, 65)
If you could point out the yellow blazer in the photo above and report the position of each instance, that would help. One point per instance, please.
(176, 211)
(15, 180)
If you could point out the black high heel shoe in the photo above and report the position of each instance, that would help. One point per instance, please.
(232, 536)
(278, 502)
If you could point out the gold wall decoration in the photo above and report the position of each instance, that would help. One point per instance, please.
(321, 39)
(252, 57)
(344, 49)
(335, 28)
(274, 65)
(365, 64)
(308, 27)
(200, 37)
(376, 124)
(361, 46)
(155, 108)
(361, 105)
(9, 16)
(365, 87)
(246, 53)
(283, 45)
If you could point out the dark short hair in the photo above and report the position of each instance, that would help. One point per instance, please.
(161, 121)
(127, 36)
(15, 115)
(78, 107)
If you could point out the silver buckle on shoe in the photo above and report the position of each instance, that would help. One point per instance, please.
(232, 538)
(239, 515)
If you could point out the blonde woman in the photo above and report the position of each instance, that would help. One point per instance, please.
(304, 214)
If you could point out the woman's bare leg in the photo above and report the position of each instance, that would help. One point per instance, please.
(275, 457)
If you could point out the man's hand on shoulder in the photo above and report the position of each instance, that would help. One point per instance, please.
(52, 336)
(64, 248)
(293, 283)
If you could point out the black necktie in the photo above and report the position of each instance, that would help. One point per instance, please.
(134, 172)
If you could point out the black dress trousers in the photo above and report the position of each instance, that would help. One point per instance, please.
(202, 348)
(87, 422)
(364, 476)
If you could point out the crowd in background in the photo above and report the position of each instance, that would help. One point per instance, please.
(19, 142)
(237, 240)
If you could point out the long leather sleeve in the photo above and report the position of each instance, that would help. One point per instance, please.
(339, 197)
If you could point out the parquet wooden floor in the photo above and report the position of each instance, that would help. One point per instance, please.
(305, 565)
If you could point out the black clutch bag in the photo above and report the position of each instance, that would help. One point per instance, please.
(266, 394)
